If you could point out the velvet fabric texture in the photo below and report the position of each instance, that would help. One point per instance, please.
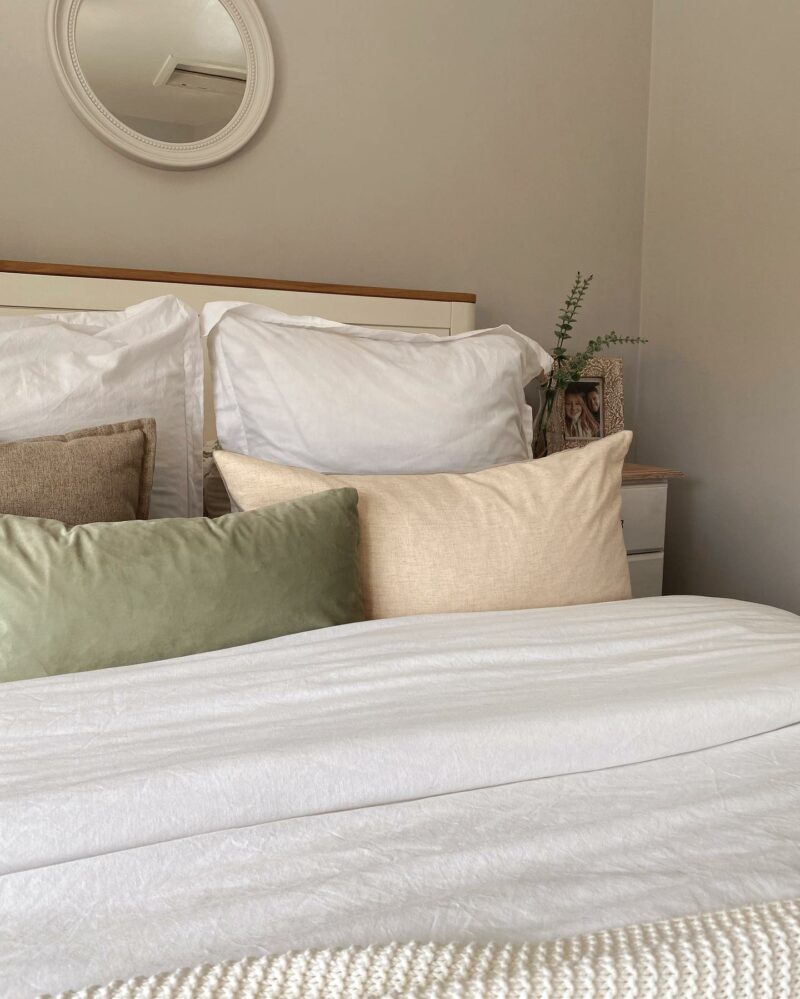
(100, 595)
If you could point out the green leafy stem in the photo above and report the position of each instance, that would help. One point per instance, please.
(569, 367)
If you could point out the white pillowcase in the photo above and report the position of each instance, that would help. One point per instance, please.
(62, 372)
(307, 392)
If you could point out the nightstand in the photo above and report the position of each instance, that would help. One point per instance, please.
(644, 514)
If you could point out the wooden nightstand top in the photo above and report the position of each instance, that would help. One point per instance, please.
(648, 473)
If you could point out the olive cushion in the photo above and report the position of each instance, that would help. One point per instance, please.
(100, 595)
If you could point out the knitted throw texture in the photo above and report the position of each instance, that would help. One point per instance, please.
(735, 954)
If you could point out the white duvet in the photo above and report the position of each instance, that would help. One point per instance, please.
(506, 776)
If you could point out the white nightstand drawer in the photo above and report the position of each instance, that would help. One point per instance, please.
(647, 573)
(644, 511)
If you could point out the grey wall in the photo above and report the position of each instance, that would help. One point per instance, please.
(720, 381)
(450, 144)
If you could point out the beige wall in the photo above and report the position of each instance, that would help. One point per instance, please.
(493, 147)
(720, 381)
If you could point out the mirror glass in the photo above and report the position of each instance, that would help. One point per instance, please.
(173, 70)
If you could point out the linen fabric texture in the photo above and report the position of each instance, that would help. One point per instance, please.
(96, 474)
(98, 595)
(78, 369)
(542, 533)
(307, 392)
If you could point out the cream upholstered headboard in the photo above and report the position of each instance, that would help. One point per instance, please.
(31, 287)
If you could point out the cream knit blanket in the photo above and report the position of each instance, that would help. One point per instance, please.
(735, 954)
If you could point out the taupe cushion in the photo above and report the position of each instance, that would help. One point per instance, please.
(539, 533)
(98, 595)
(97, 474)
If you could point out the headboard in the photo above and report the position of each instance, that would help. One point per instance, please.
(34, 287)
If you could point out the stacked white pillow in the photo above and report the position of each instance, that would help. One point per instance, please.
(67, 371)
(310, 393)
(295, 390)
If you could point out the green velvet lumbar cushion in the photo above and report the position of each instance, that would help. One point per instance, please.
(112, 594)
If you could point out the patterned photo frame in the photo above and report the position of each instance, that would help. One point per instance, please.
(606, 375)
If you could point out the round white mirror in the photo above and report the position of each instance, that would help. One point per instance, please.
(173, 83)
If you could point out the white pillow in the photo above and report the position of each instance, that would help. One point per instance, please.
(307, 392)
(60, 372)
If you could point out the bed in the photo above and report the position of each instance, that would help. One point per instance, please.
(501, 777)
(507, 776)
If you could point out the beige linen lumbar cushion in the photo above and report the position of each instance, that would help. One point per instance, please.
(542, 533)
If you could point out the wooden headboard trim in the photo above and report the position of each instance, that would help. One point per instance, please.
(227, 281)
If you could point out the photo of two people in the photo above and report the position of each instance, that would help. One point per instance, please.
(583, 409)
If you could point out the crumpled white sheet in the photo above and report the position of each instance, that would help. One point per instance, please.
(501, 776)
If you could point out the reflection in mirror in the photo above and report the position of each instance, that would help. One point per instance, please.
(173, 70)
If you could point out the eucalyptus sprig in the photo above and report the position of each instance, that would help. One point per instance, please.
(569, 367)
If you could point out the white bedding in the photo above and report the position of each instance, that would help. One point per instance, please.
(506, 776)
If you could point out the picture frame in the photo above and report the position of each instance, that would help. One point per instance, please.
(591, 408)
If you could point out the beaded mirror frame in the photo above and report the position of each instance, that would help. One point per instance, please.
(62, 21)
